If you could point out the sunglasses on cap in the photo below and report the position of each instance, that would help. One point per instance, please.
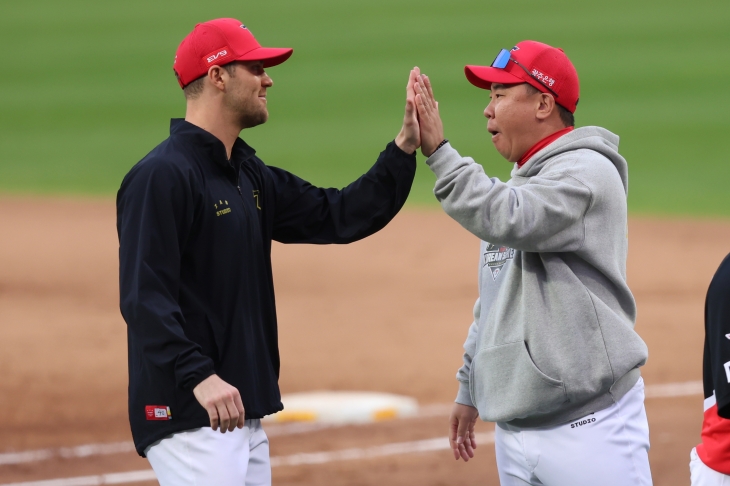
(504, 57)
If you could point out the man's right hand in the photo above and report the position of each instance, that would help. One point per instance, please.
(409, 138)
(222, 402)
(429, 119)
(461, 431)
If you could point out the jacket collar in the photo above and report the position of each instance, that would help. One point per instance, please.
(210, 144)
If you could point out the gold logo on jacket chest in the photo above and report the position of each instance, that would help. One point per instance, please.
(222, 208)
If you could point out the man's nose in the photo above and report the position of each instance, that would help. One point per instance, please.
(267, 81)
(489, 111)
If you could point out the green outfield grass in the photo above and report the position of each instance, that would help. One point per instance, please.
(87, 86)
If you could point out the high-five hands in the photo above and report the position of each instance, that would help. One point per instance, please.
(461, 431)
(429, 119)
(409, 138)
(422, 126)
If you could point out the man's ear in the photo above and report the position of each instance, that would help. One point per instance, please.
(546, 106)
(217, 77)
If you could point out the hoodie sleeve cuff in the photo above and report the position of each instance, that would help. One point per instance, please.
(444, 161)
(464, 395)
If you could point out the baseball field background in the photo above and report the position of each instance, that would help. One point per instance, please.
(88, 85)
(87, 90)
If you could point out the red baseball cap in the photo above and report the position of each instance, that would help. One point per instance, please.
(218, 42)
(545, 67)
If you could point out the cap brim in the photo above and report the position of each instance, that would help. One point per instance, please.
(271, 56)
(484, 76)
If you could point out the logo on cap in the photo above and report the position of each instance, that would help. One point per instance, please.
(543, 77)
(217, 54)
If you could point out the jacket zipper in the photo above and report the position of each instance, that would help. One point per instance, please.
(240, 192)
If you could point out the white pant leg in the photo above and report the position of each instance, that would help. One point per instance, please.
(701, 475)
(203, 456)
(512, 463)
(607, 448)
(259, 462)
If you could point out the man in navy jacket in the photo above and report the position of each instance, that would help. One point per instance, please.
(196, 218)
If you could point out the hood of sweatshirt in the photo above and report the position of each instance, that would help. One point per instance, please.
(591, 138)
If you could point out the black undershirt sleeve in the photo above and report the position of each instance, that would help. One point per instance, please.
(717, 338)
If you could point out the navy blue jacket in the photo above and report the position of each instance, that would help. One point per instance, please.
(197, 293)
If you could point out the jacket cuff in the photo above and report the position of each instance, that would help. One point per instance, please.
(398, 151)
(444, 160)
(198, 378)
(464, 395)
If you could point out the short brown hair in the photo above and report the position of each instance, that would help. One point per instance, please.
(566, 117)
(195, 88)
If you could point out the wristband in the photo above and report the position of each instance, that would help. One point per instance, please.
(443, 142)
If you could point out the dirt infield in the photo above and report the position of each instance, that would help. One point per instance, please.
(386, 314)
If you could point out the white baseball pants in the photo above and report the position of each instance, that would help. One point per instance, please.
(206, 457)
(606, 448)
(701, 475)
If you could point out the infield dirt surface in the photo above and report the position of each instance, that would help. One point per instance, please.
(389, 313)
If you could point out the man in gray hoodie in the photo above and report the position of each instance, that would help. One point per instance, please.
(552, 356)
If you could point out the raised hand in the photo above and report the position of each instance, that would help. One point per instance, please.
(432, 129)
(461, 431)
(409, 138)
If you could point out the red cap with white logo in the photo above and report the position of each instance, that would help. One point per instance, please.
(545, 67)
(218, 42)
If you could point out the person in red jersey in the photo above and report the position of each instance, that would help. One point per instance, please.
(710, 460)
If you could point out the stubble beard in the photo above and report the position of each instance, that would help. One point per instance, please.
(253, 118)
(250, 113)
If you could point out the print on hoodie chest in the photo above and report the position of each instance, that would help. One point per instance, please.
(496, 256)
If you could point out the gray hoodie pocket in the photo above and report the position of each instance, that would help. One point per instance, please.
(505, 384)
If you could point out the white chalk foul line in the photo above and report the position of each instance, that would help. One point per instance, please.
(66, 452)
(428, 445)
(306, 458)
(666, 390)
(671, 390)
(123, 447)
(114, 478)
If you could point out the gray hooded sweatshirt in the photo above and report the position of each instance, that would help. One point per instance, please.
(553, 334)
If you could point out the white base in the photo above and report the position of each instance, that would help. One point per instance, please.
(343, 407)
